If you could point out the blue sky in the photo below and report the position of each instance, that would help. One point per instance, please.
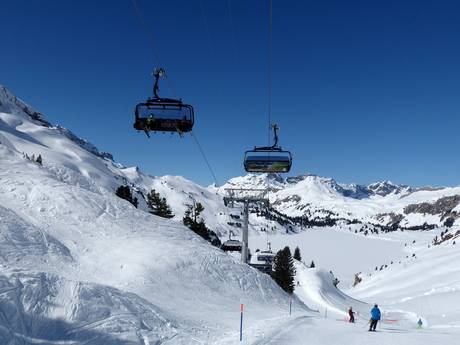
(362, 90)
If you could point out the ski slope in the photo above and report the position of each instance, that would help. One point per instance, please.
(330, 324)
(94, 262)
(78, 265)
(428, 284)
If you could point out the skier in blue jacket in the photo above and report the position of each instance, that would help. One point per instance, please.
(375, 317)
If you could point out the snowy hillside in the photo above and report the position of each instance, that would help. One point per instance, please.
(307, 200)
(80, 265)
(427, 280)
(77, 162)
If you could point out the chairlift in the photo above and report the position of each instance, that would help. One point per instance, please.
(231, 245)
(268, 159)
(266, 256)
(163, 114)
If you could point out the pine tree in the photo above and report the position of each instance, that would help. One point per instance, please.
(39, 159)
(284, 270)
(153, 201)
(165, 210)
(297, 255)
(192, 219)
(158, 206)
(192, 214)
(312, 265)
(124, 192)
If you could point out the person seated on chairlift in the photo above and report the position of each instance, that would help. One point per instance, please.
(149, 121)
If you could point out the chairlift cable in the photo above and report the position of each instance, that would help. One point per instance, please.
(232, 25)
(270, 58)
(270, 31)
(211, 45)
(205, 158)
(151, 38)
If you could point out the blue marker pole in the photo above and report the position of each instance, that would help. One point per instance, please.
(241, 321)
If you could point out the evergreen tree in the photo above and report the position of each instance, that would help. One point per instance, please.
(194, 222)
(312, 265)
(124, 192)
(193, 212)
(165, 209)
(153, 201)
(284, 270)
(39, 159)
(297, 254)
(158, 206)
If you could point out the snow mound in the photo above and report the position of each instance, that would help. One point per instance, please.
(317, 290)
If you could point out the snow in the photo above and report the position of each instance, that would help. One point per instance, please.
(73, 235)
(296, 196)
(78, 265)
(343, 252)
(428, 284)
(90, 268)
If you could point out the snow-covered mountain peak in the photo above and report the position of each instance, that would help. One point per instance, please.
(256, 181)
(11, 104)
(386, 187)
(22, 118)
(298, 178)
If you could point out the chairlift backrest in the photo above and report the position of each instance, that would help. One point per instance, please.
(267, 161)
(164, 115)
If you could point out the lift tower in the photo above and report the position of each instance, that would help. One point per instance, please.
(245, 196)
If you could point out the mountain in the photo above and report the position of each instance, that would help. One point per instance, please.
(315, 200)
(306, 199)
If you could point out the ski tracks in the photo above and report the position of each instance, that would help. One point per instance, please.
(276, 337)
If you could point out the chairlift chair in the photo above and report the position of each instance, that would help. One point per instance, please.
(266, 256)
(270, 159)
(163, 114)
(231, 245)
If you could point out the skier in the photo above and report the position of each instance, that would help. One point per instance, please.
(375, 317)
(419, 323)
(351, 313)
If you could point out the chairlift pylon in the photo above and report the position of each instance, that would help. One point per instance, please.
(268, 159)
(163, 114)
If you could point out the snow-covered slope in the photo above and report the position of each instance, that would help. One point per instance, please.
(307, 199)
(317, 290)
(80, 265)
(75, 161)
(427, 281)
(89, 268)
